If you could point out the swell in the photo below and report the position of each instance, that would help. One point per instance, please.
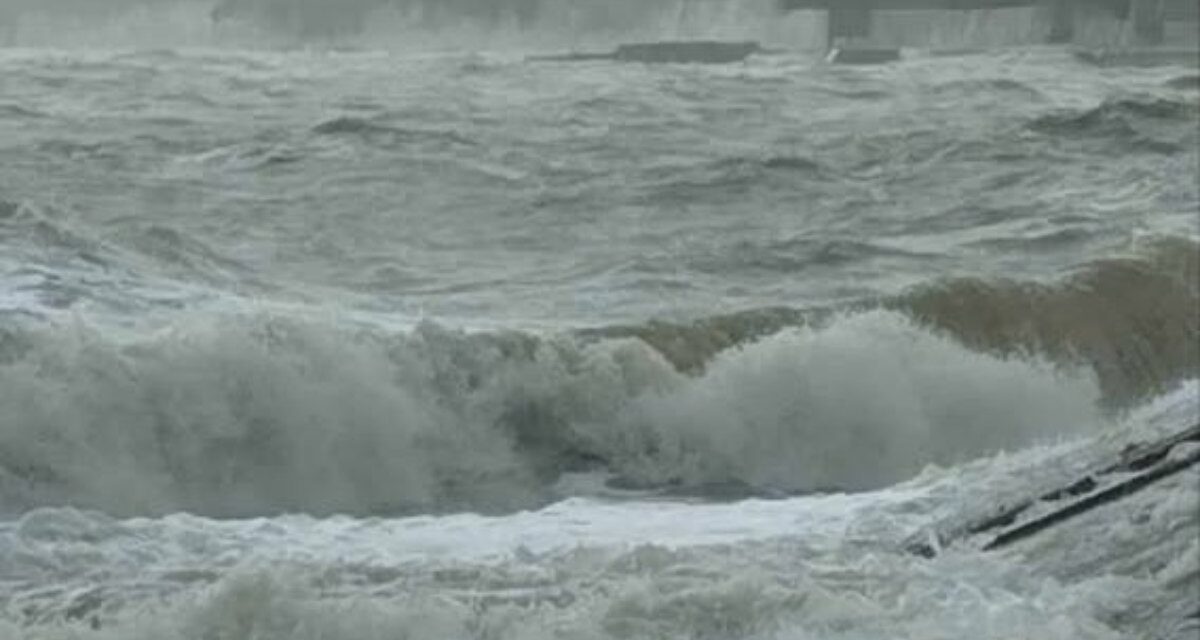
(1184, 82)
(379, 132)
(1157, 125)
(729, 178)
(19, 112)
(1146, 124)
(1000, 86)
(794, 255)
(58, 241)
(1134, 319)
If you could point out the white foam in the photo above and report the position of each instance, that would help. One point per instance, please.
(818, 567)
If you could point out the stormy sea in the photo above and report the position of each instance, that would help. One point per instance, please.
(342, 343)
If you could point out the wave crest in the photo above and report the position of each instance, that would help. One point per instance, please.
(1132, 319)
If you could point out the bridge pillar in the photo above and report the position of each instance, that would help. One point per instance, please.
(9, 25)
(1149, 21)
(1062, 22)
(848, 20)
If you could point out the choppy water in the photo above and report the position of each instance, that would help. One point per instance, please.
(578, 298)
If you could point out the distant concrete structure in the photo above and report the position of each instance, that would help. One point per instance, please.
(1147, 18)
(851, 21)
(696, 51)
(668, 52)
(332, 19)
(305, 18)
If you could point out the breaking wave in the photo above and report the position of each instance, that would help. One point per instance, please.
(254, 415)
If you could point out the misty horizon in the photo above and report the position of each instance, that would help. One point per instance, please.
(480, 25)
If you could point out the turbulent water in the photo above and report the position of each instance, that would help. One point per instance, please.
(684, 335)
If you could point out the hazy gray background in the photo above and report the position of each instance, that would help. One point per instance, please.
(479, 24)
